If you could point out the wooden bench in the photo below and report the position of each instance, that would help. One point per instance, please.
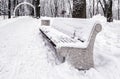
(78, 53)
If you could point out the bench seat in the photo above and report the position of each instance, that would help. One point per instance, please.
(60, 39)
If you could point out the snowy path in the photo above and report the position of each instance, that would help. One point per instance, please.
(23, 54)
(21, 50)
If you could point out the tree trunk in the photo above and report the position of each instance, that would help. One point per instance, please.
(0, 9)
(93, 7)
(9, 8)
(109, 12)
(56, 11)
(37, 4)
(18, 13)
(14, 4)
(56, 8)
(79, 9)
(107, 9)
(32, 12)
(97, 9)
(118, 10)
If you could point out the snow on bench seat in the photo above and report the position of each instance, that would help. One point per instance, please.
(60, 39)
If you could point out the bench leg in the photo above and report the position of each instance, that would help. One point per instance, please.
(60, 58)
(79, 58)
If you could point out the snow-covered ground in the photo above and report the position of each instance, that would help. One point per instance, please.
(3, 17)
(24, 55)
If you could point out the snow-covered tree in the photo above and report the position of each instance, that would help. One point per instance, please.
(63, 8)
(56, 8)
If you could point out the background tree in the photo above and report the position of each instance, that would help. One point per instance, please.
(9, 8)
(63, 8)
(107, 9)
(93, 7)
(37, 6)
(56, 7)
(33, 3)
(118, 9)
(79, 9)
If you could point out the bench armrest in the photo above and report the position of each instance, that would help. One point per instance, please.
(95, 30)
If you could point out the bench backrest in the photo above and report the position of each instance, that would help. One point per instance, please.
(80, 28)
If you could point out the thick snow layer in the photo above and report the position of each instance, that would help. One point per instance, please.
(24, 55)
(60, 39)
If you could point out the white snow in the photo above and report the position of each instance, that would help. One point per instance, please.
(24, 55)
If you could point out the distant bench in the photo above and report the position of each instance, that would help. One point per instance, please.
(79, 53)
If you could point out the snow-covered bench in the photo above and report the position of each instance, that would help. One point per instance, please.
(77, 53)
